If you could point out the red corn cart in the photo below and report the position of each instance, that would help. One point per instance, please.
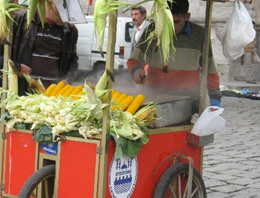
(169, 165)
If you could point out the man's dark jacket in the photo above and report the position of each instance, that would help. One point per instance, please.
(23, 41)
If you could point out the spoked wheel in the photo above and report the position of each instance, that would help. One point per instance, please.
(173, 183)
(43, 178)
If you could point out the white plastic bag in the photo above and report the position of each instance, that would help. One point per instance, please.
(237, 32)
(209, 122)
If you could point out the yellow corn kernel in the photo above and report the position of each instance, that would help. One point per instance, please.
(112, 92)
(119, 100)
(50, 89)
(59, 86)
(68, 92)
(77, 90)
(116, 95)
(126, 102)
(62, 91)
(135, 104)
(77, 97)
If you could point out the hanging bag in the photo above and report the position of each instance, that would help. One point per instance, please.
(237, 32)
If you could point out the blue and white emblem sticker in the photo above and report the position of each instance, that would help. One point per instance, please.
(122, 177)
(50, 148)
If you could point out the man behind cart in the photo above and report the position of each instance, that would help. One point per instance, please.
(49, 51)
(183, 77)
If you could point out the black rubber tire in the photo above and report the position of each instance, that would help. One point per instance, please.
(37, 178)
(171, 173)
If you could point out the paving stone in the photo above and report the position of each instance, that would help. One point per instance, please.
(247, 193)
(229, 188)
(217, 195)
(242, 181)
(212, 183)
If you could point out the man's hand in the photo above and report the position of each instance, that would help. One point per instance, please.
(139, 76)
(24, 70)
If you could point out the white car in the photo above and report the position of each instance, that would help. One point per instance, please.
(90, 58)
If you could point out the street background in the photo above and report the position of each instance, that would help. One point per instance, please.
(232, 161)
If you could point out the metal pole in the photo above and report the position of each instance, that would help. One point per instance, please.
(7, 55)
(106, 121)
(205, 57)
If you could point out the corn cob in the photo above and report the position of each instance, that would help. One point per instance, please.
(112, 92)
(135, 104)
(119, 100)
(68, 92)
(50, 89)
(59, 86)
(12, 78)
(34, 85)
(148, 115)
(77, 90)
(63, 90)
(126, 102)
(116, 95)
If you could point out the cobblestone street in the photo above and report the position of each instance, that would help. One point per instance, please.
(232, 161)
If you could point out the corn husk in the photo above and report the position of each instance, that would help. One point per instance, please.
(6, 10)
(101, 11)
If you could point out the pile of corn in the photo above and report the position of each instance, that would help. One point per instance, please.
(65, 90)
(126, 102)
(120, 100)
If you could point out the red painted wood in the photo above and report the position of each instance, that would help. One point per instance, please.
(20, 161)
(77, 169)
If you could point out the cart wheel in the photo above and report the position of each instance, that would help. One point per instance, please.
(173, 183)
(43, 177)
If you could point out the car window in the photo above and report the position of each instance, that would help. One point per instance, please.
(129, 27)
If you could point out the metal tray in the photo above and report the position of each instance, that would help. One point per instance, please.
(172, 110)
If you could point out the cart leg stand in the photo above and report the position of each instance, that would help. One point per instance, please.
(106, 120)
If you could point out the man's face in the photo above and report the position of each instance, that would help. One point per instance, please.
(50, 17)
(137, 17)
(179, 22)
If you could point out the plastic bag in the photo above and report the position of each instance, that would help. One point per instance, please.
(237, 32)
(209, 122)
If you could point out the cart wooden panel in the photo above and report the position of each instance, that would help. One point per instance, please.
(19, 161)
(77, 170)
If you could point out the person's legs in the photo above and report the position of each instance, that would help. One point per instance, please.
(248, 68)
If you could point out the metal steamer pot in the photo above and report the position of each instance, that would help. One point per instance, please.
(172, 110)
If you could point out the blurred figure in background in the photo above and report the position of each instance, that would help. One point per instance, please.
(250, 58)
(50, 51)
(138, 15)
